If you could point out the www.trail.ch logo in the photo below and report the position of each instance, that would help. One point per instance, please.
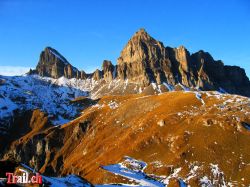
(24, 178)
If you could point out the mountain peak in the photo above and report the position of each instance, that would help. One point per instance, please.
(141, 31)
(142, 35)
(145, 60)
(140, 47)
(52, 64)
(54, 52)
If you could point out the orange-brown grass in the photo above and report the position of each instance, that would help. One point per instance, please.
(174, 128)
(133, 129)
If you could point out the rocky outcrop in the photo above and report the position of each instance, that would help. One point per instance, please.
(24, 123)
(145, 60)
(239, 82)
(97, 75)
(53, 64)
(109, 71)
(40, 149)
(214, 75)
(182, 66)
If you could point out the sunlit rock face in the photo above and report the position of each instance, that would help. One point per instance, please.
(53, 64)
(145, 60)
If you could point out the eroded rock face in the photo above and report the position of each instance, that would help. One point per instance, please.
(182, 66)
(214, 75)
(109, 71)
(97, 75)
(53, 64)
(145, 60)
(30, 120)
(41, 149)
(238, 79)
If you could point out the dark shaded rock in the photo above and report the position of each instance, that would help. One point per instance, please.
(53, 64)
(239, 82)
(246, 125)
(7, 166)
(97, 75)
(145, 60)
(108, 71)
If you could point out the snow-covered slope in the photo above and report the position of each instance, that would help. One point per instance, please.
(133, 170)
(52, 96)
(188, 136)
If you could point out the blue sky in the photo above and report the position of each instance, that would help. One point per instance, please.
(87, 32)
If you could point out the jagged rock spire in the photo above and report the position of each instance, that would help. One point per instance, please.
(144, 60)
(53, 64)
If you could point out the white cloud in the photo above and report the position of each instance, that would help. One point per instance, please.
(13, 70)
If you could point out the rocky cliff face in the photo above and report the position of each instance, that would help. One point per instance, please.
(145, 60)
(108, 71)
(53, 64)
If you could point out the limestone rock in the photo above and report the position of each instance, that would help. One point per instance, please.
(53, 64)
(108, 71)
(145, 60)
(97, 75)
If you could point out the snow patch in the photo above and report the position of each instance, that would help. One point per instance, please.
(58, 56)
(133, 170)
(113, 105)
(161, 123)
(169, 86)
(69, 180)
(186, 89)
(221, 90)
(156, 87)
(199, 97)
(7, 106)
(52, 96)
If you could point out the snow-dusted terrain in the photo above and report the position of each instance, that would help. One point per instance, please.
(133, 170)
(52, 96)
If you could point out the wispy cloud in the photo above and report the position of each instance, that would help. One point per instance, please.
(13, 70)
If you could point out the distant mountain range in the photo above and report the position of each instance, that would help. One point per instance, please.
(145, 60)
